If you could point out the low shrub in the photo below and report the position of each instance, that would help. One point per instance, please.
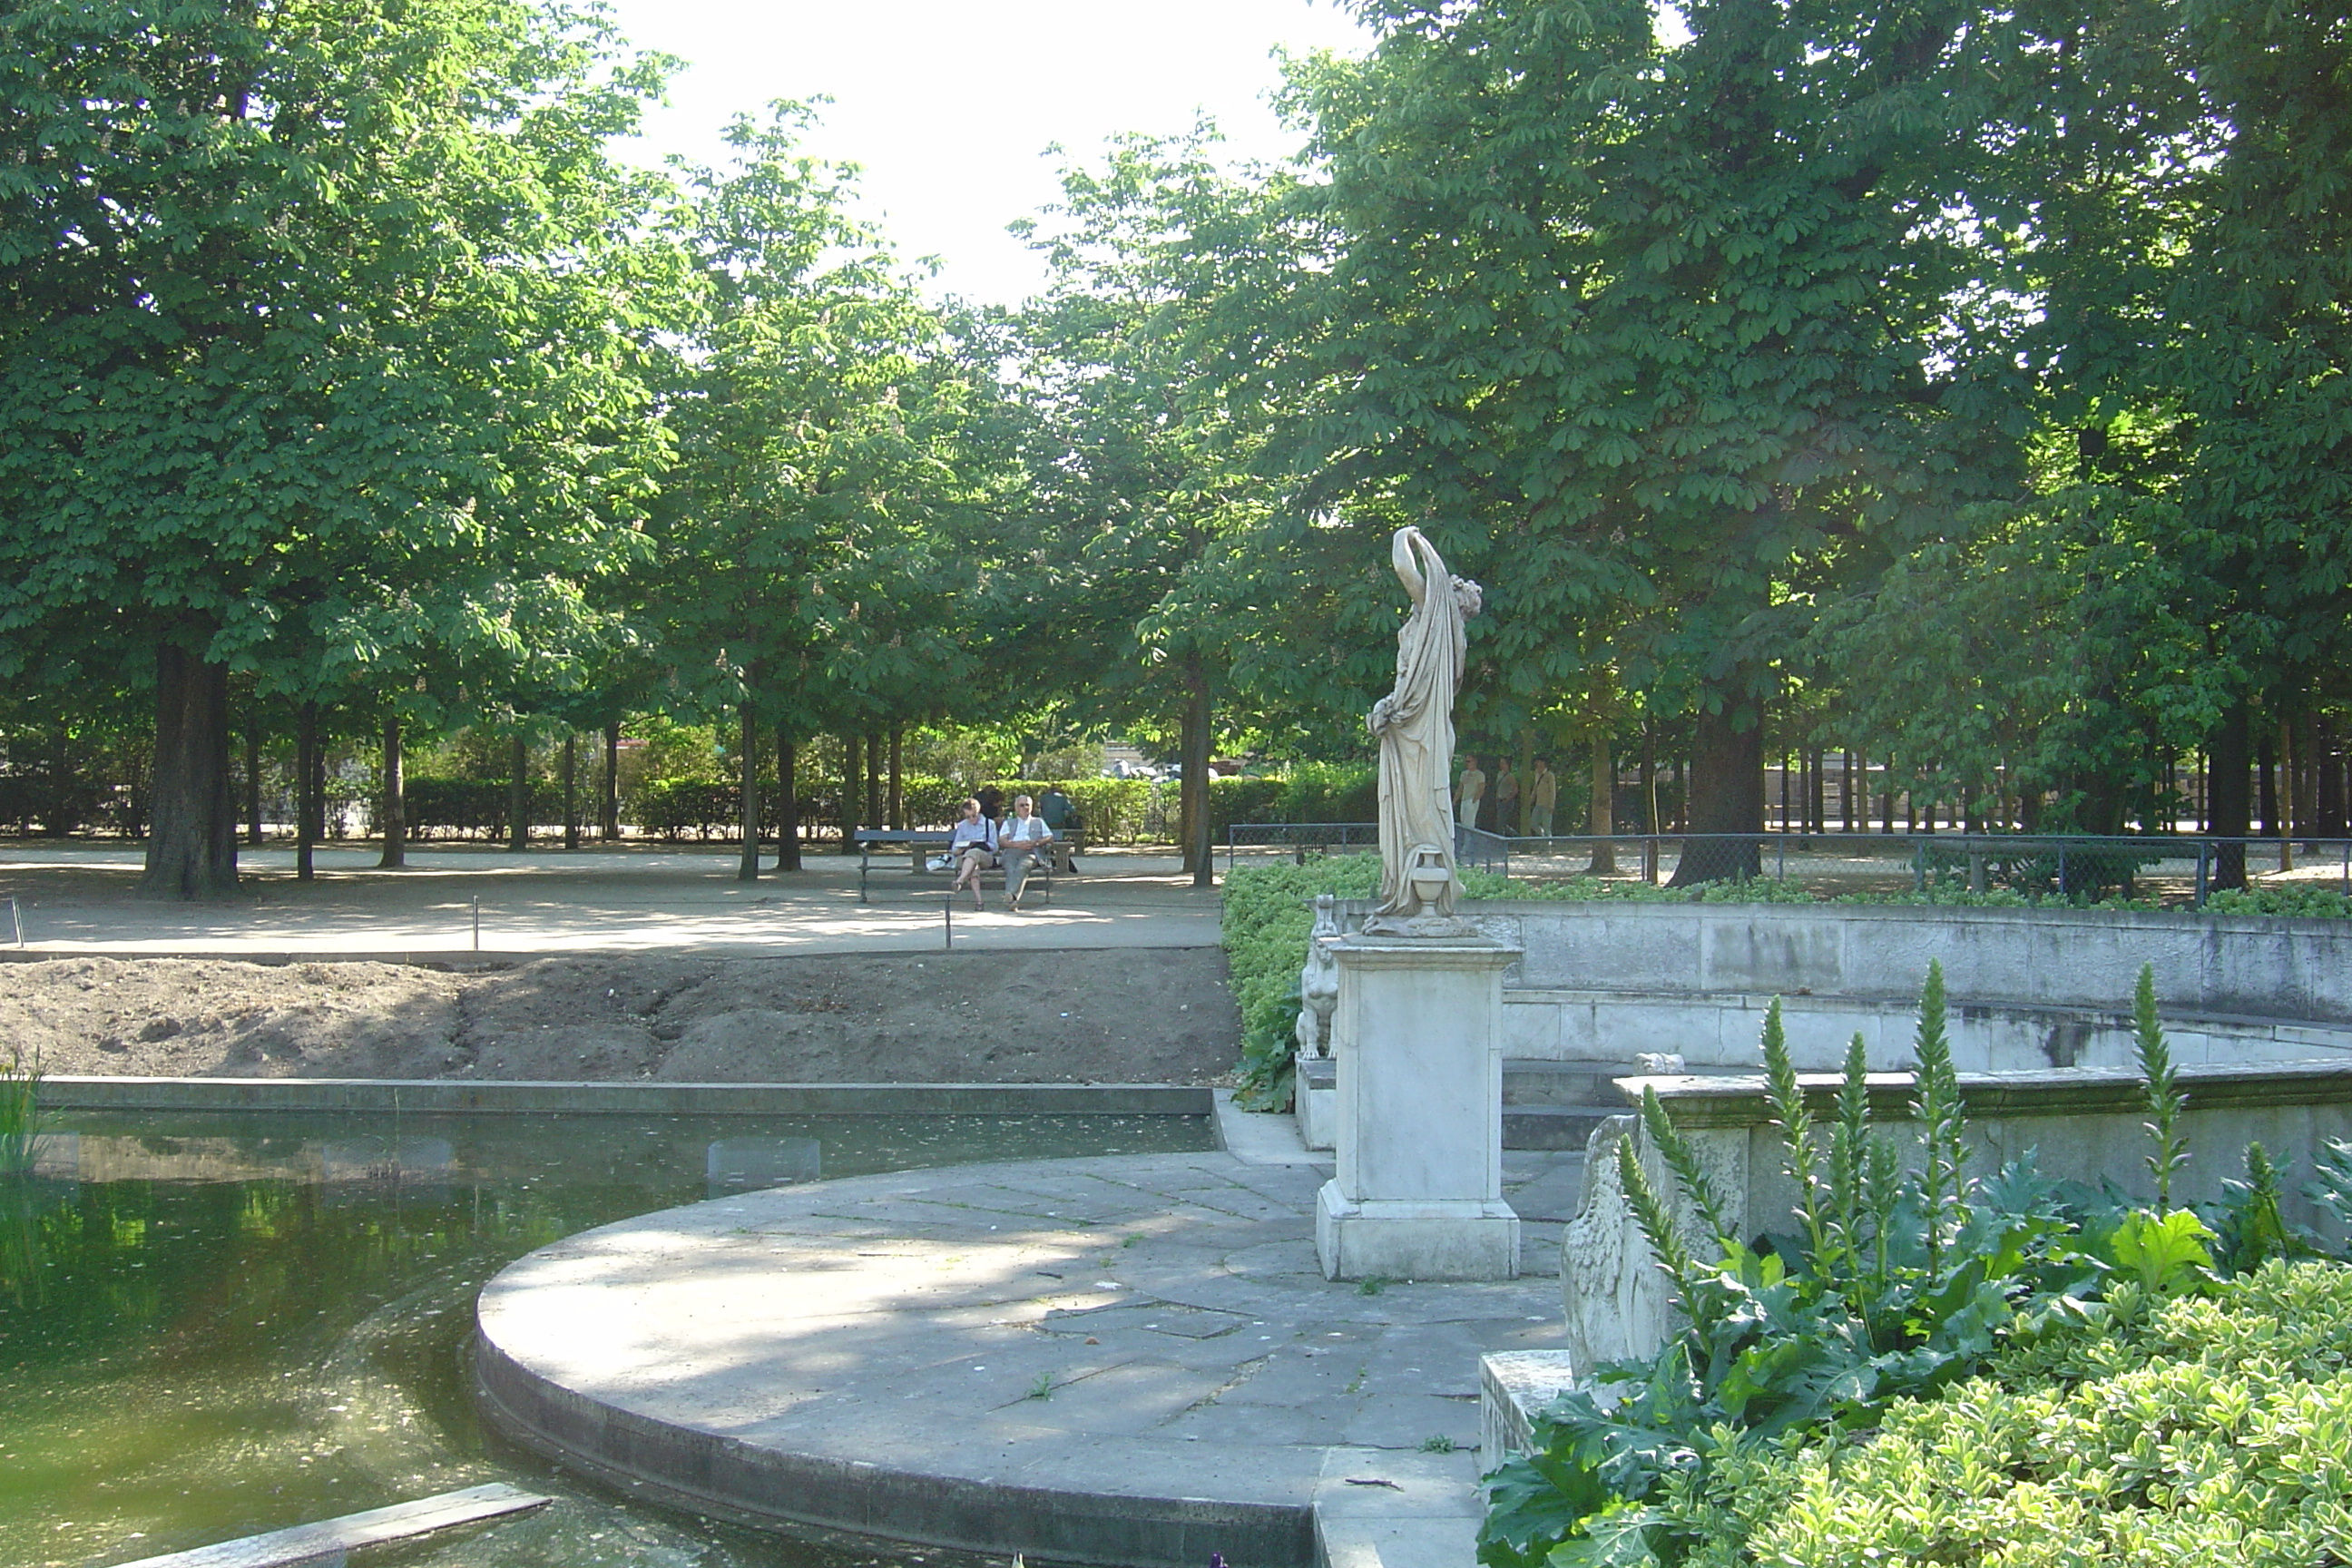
(2303, 900)
(1329, 792)
(1989, 1337)
(2215, 1428)
(1115, 811)
(1268, 911)
(672, 808)
(452, 807)
(36, 803)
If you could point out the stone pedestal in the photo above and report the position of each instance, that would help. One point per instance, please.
(1419, 1038)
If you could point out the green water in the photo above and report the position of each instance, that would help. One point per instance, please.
(212, 1326)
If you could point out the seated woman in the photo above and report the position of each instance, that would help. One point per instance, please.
(1024, 839)
(973, 849)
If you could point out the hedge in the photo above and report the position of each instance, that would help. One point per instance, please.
(434, 806)
(1268, 911)
(1115, 811)
(31, 801)
(2215, 1429)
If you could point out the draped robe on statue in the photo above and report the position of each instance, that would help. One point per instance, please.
(1415, 726)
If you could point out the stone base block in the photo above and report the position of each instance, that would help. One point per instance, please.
(1421, 1239)
(1316, 1103)
(1513, 1387)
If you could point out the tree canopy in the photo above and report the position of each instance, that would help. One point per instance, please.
(1960, 385)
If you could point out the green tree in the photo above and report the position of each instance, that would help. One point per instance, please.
(318, 341)
(1661, 328)
(807, 583)
(1142, 574)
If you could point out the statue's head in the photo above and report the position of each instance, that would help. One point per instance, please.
(1468, 597)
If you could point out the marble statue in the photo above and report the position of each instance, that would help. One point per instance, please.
(1415, 727)
(1319, 981)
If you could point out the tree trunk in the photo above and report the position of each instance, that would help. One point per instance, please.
(746, 755)
(1649, 778)
(609, 818)
(393, 809)
(192, 838)
(874, 817)
(571, 789)
(1727, 783)
(519, 796)
(2228, 797)
(2290, 813)
(895, 807)
(2303, 812)
(1192, 796)
(1600, 809)
(852, 783)
(306, 768)
(2269, 777)
(2330, 794)
(252, 774)
(788, 805)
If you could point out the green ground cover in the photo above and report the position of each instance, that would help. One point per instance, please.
(1931, 1366)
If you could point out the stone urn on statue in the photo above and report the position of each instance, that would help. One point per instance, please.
(1417, 1023)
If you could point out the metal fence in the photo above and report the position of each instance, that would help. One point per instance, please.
(2073, 865)
(1299, 839)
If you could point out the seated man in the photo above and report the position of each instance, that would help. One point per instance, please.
(1023, 841)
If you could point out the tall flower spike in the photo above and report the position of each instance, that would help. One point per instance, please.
(2166, 1098)
(1799, 1158)
(1937, 1105)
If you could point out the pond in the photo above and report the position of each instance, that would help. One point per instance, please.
(212, 1326)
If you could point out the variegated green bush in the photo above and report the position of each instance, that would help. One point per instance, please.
(2133, 1435)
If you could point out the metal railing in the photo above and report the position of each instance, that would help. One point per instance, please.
(1300, 838)
(2071, 865)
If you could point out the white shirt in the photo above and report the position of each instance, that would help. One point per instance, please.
(1027, 830)
(978, 830)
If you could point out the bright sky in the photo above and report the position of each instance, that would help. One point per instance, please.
(949, 105)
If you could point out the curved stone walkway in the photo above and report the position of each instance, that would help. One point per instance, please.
(1125, 1360)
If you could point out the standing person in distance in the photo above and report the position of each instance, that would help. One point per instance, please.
(1543, 796)
(1470, 795)
(1506, 799)
(1061, 814)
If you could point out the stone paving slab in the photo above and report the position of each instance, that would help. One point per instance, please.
(1128, 1361)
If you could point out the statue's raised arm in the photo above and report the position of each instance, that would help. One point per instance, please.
(1404, 551)
(1415, 726)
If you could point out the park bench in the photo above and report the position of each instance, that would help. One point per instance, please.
(923, 842)
(919, 843)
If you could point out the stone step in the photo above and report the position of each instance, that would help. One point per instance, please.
(1546, 1105)
(1551, 1126)
(1527, 1082)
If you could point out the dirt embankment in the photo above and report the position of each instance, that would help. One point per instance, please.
(1149, 1016)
